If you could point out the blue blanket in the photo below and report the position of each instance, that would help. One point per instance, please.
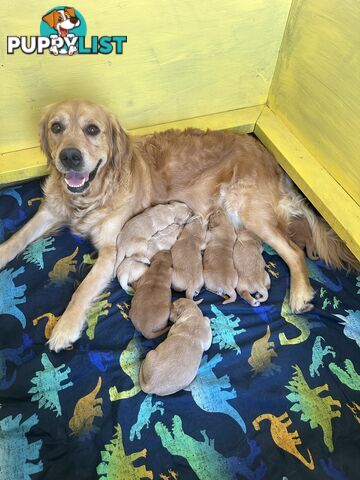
(277, 395)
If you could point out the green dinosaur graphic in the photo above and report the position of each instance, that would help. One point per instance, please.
(47, 385)
(326, 302)
(147, 408)
(116, 465)
(98, 309)
(318, 353)
(130, 360)
(262, 352)
(349, 376)
(224, 329)
(336, 303)
(36, 250)
(313, 408)
(322, 292)
(299, 321)
(16, 453)
(205, 461)
(211, 393)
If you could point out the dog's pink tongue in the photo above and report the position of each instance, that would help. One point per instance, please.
(76, 179)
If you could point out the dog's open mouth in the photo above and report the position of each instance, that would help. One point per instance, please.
(78, 182)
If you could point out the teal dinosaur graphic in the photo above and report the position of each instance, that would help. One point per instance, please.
(358, 283)
(19, 458)
(205, 461)
(349, 376)
(351, 325)
(117, 465)
(299, 321)
(130, 360)
(12, 295)
(269, 250)
(318, 353)
(224, 329)
(147, 408)
(36, 250)
(211, 393)
(313, 408)
(48, 384)
(316, 273)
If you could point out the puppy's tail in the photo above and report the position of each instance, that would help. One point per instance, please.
(329, 246)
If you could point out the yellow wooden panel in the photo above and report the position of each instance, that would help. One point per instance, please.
(316, 86)
(183, 59)
(331, 200)
(24, 164)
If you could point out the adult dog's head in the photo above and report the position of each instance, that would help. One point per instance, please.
(83, 142)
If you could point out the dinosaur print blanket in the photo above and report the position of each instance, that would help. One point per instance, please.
(277, 395)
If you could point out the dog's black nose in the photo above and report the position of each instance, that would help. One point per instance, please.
(74, 20)
(71, 158)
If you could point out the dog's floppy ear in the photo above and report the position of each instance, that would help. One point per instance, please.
(120, 145)
(70, 11)
(51, 18)
(43, 131)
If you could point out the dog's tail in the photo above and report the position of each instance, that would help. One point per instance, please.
(330, 248)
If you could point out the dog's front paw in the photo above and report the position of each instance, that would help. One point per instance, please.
(300, 299)
(64, 334)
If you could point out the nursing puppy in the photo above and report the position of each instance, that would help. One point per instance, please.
(131, 269)
(150, 306)
(300, 233)
(250, 265)
(173, 365)
(220, 275)
(134, 237)
(187, 259)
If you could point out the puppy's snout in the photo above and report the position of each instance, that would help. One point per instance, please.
(71, 158)
(74, 20)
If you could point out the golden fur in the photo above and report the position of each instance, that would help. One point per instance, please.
(250, 265)
(202, 169)
(173, 365)
(150, 306)
(220, 275)
(187, 259)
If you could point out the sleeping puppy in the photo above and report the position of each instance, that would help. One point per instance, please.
(134, 237)
(300, 233)
(131, 269)
(250, 265)
(173, 365)
(150, 306)
(187, 259)
(220, 274)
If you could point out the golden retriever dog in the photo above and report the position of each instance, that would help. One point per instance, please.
(133, 240)
(100, 178)
(250, 265)
(173, 365)
(150, 306)
(131, 269)
(300, 233)
(187, 259)
(220, 274)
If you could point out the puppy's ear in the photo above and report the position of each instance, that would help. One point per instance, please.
(44, 141)
(120, 145)
(50, 18)
(70, 11)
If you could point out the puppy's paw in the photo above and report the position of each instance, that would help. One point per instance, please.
(300, 299)
(64, 334)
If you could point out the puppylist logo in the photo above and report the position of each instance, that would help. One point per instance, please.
(62, 32)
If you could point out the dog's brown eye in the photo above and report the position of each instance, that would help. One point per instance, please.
(92, 130)
(56, 127)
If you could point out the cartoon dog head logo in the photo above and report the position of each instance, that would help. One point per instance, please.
(63, 23)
